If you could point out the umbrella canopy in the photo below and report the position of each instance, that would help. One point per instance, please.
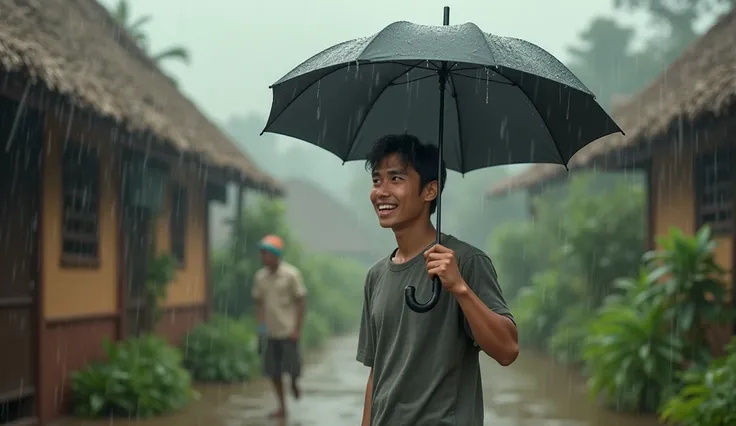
(495, 100)
(508, 101)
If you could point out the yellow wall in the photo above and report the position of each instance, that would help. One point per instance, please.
(674, 198)
(79, 291)
(189, 287)
(75, 291)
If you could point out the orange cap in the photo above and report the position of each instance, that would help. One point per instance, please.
(273, 243)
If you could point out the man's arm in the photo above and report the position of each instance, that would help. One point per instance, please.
(489, 320)
(367, 404)
(301, 305)
(259, 311)
(257, 296)
(366, 349)
(300, 299)
(495, 334)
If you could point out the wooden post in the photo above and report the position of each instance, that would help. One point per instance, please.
(238, 223)
(207, 259)
(237, 237)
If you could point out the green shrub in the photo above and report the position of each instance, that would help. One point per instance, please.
(316, 330)
(519, 251)
(566, 342)
(223, 350)
(538, 308)
(141, 377)
(707, 397)
(690, 286)
(629, 355)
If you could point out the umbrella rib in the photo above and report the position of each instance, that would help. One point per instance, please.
(368, 111)
(392, 83)
(459, 123)
(508, 83)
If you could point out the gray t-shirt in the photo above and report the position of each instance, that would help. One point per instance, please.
(425, 366)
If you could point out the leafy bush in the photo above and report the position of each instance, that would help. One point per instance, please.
(141, 377)
(316, 330)
(707, 397)
(601, 235)
(566, 342)
(519, 250)
(629, 353)
(629, 356)
(690, 287)
(538, 309)
(223, 350)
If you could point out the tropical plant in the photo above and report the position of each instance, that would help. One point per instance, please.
(223, 350)
(690, 285)
(141, 377)
(566, 342)
(135, 27)
(630, 357)
(707, 397)
(539, 308)
(160, 273)
(601, 234)
(519, 251)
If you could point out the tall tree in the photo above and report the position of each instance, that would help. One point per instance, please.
(135, 27)
(676, 19)
(606, 62)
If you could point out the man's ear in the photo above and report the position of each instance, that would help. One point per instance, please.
(430, 191)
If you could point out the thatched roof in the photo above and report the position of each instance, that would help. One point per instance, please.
(701, 82)
(76, 49)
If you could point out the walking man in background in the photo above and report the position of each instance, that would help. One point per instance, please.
(279, 295)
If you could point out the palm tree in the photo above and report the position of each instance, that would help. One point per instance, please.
(134, 27)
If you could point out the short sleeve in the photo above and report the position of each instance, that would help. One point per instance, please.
(479, 273)
(257, 290)
(366, 343)
(297, 285)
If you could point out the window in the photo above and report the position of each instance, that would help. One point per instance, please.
(178, 223)
(80, 214)
(715, 186)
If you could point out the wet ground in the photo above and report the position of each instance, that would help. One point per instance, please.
(532, 392)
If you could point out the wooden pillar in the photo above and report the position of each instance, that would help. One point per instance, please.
(732, 291)
(207, 258)
(237, 237)
(238, 222)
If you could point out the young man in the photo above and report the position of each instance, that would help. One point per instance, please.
(424, 367)
(279, 294)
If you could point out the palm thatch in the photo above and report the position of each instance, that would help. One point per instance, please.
(700, 83)
(77, 50)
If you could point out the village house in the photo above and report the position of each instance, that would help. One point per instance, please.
(681, 134)
(102, 160)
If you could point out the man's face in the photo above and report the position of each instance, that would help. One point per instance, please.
(396, 195)
(269, 259)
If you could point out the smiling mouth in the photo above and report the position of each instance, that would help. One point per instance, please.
(385, 208)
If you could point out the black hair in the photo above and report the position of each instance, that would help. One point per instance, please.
(423, 158)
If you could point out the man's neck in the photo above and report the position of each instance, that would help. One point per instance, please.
(274, 268)
(414, 239)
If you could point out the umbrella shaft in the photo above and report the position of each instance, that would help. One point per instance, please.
(440, 144)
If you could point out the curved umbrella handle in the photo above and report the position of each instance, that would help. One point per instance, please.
(414, 305)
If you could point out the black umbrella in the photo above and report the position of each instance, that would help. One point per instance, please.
(509, 101)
